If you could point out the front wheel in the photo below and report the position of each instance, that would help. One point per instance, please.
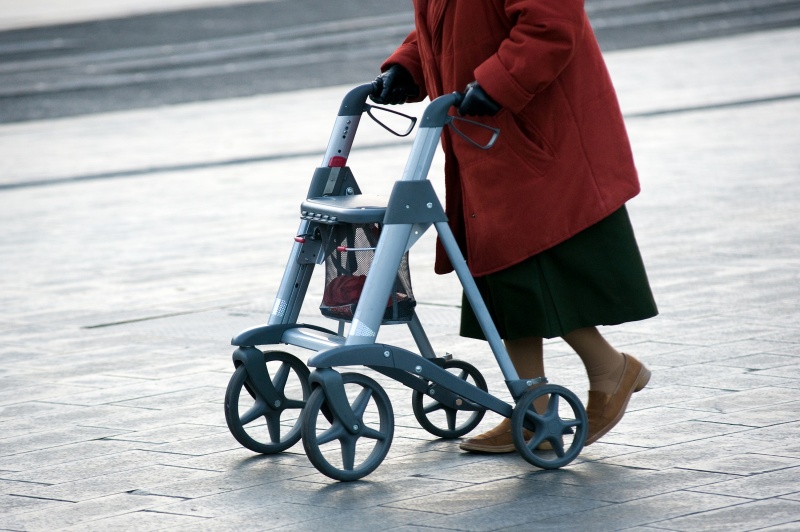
(262, 427)
(343, 454)
(558, 434)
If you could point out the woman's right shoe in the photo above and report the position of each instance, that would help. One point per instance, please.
(606, 410)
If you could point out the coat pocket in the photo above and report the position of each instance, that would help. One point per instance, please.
(527, 141)
(520, 146)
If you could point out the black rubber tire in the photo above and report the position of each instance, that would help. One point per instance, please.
(454, 429)
(268, 437)
(341, 459)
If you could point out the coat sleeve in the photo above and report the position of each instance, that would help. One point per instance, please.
(407, 55)
(539, 45)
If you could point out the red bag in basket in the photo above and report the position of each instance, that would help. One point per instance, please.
(343, 290)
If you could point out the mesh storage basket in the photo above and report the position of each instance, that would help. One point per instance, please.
(346, 271)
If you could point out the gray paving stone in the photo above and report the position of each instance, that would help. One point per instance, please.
(671, 434)
(764, 416)
(141, 520)
(52, 438)
(681, 455)
(61, 516)
(115, 483)
(735, 402)
(616, 485)
(51, 456)
(645, 511)
(37, 390)
(786, 433)
(84, 468)
(790, 370)
(14, 504)
(727, 379)
(381, 518)
(742, 464)
(760, 486)
(298, 517)
(212, 484)
(493, 506)
(671, 394)
(756, 515)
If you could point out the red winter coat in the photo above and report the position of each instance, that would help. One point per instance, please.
(562, 161)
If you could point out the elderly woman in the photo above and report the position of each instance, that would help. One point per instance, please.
(541, 216)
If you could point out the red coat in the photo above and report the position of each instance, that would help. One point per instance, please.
(562, 161)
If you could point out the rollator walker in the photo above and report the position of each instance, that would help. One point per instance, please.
(346, 420)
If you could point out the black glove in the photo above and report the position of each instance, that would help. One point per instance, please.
(395, 86)
(477, 103)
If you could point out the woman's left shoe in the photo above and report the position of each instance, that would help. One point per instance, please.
(605, 410)
(499, 440)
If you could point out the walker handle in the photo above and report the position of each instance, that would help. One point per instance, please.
(353, 102)
(437, 112)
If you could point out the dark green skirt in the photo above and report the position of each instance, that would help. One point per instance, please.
(594, 278)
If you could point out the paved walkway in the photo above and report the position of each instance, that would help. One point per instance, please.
(34, 13)
(135, 244)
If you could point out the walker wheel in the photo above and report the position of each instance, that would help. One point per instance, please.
(337, 452)
(559, 433)
(450, 421)
(257, 425)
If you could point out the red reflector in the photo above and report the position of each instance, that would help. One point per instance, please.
(337, 161)
(300, 239)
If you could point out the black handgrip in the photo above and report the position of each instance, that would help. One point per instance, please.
(377, 87)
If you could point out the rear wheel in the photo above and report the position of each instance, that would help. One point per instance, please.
(452, 420)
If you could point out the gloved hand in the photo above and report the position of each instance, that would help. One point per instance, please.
(477, 103)
(396, 86)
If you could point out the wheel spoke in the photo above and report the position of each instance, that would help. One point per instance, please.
(281, 376)
(433, 407)
(293, 403)
(253, 413)
(450, 414)
(534, 419)
(558, 446)
(330, 434)
(552, 404)
(274, 426)
(348, 453)
(535, 441)
(361, 402)
(373, 434)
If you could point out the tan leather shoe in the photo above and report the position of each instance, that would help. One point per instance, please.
(498, 440)
(604, 410)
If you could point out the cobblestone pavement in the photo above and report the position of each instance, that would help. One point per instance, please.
(135, 244)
